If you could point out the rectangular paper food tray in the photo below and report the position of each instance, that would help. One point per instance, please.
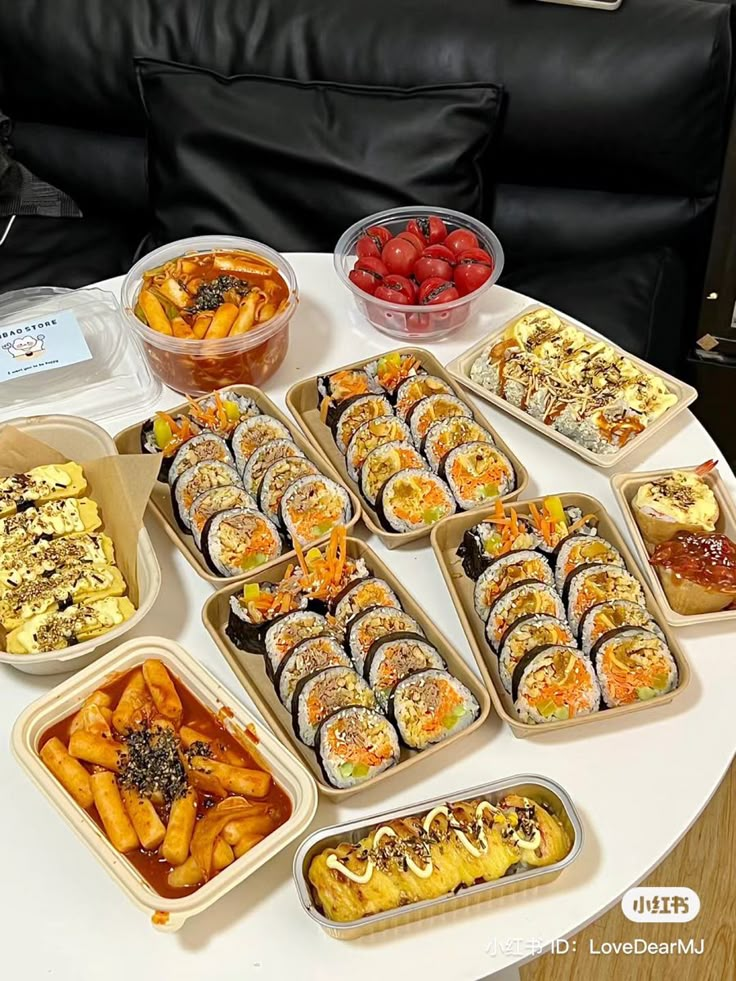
(129, 441)
(460, 367)
(445, 540)
(625, 486)
(79, 440)
(303, 402)
(544, 790)
(251, 672)
(67, 698)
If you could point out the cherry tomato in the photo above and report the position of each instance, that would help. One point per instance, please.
(399, 256)
(461, 240)
(474, 267)
(367, 274)
(368, 247)
(437, 290)
(394, 284)
(412, 239)
(379, 232)
(429, 265)
(441, 252)
(430, 229)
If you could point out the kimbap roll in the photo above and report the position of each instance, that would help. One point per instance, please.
(414, 499)
(284, 634)
(477, 473)
(610, 615)
(254, 432)
(359, 596)
(518, 601)
(553, 684)
(384, 462)
(430, 705)
(591, 584)
(392, 658)
(252, 611)
(446, 434)
(222, 412)
(354, 745)
(320, 695)
(195, 481)
(414, 389)
(277, 479)
(262, 458)
(353, 413)
(429, 410)
(303, 660)
(312, 507)
(554, 523)
(394, 368)
(165, 434)
(373, 624)
(342, 385)
(205, 446)
(580, 549)
(533, 630)
(375, 432)
(633, 665)
(239, 540)
(485, 542)
(211, 502)
(504, 572)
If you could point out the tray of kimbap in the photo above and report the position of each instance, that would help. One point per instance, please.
(456, 850)
(239, 484)
(344, 664)
(563, 627)
(572, 384)
(399, 430)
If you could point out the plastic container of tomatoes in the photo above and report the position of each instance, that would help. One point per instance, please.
(197, 366)
(414, 255)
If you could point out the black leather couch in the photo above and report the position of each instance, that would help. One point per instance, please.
(605, 175)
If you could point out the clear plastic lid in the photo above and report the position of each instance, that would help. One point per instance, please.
(70, 351)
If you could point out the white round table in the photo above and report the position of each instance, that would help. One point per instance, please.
(639, 783)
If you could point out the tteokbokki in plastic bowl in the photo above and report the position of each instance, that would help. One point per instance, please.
(211, 311)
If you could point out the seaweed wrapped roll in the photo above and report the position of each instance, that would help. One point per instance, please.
(552, 684)
(415, 389)
(165, 434)
(580, 549)
(359, 596)
(251, 613)
(325, 692)
(303, 660)
(375, 432)
(504, 572)
(486, 541)
(254, 432)
(205, 446)
(262, 458)
(288, 631)
(530, 631)
(383, 462)
(591, 584)
(373, 624)
(239, 540)
(633, 665)
(477, 473)
(340, 386)
(313, 506)
(610, 615)
(429, 410)
(212, 501)
(393, 368)
(446, 434)
(430, 705)
(277, 479)
(354, 745)
(414, 499)
(353, 413)
(520, 600)
(395, 656)
(195, 481)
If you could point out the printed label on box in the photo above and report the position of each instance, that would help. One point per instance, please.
(52, 341)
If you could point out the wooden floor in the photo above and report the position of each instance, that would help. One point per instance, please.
(705, 860)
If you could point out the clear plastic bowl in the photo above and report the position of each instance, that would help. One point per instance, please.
(424, 323)
(196, 367)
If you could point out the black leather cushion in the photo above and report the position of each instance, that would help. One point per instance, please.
(644, 304)
(295, 163)
(69, 252)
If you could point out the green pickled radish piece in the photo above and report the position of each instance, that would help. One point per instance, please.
(492, 543)
(361, 770)
(645, 693)
(562, 713)
(323, 527)
(232, 411)
(490, 490)
(547, 709)
(162, 432)
(252, 561)
(251, 592)
(452, 718)
(431, 515)
(346, 769)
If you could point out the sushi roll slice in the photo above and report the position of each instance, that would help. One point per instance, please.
(415, 389)
(205, 446)
(251, 613)
(254, 432)
(359, 596)
(239, 540)
(446, 434)
(601, 618)
(553, 684)
(375, 432)
(312, 506)
(383, 462)
(485, 542)
(353, 413)
(165, 434)
(303, 660)
(373, 624)
(393, 658)
(504, 572)
(277, 479)
(430, 705)
(414, 499)
(559, 522)
(288, 631)
(195, 481)
(212, 501)
(262, 458)
(580, 550)
(533, 630)
(222, 411)
(633, 665)
(591, 584)
(429, 410)
(393, 368)
(325, 692)
(340, 386)
(477, 473)
(354, 745)
(520, 600)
